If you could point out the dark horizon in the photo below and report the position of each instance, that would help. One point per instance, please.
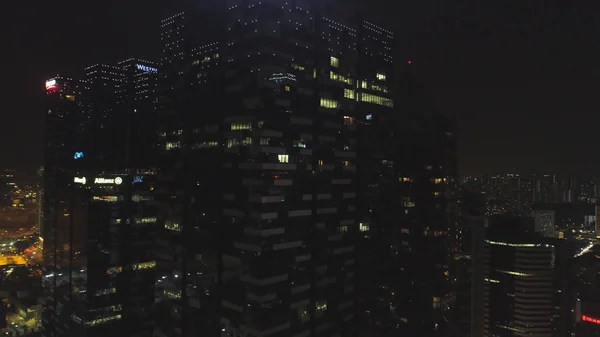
(506, 72)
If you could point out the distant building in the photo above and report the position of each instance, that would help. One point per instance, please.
(524, 281)
(544, 222)
(99, 224)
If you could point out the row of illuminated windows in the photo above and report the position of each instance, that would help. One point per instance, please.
(102, 320)
(374, 99)
(329, 103)
(241, 126)
(172, 145)
(340, 78)
(176, 294)
(144, 265)
(150, 219)
(235, 142)
(136, 266)
(349, 93)
(373, 86)
(172, 225)
(205, 59)
(106, 198)
(205, 145)
(363, 227)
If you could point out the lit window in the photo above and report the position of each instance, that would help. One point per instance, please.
(321, 306)
(205, 145)
(321, 162)
(299, 143)
(381, 76)
(232, 143)
(102, 320)
(283, 158)
(348, 120)
(329, 103)
(105, 198)
(287, 88)
(437, 180)
(340, 78)
(114, 270)
(144, 265)
(363, 227)
(172, 145)
(342, 229)
(335, 62)
(172, 226)
(303, 311)
(241, 126)
(70, 97)
(247, 141)
(374, 99)
(349, 93)
(298, 67)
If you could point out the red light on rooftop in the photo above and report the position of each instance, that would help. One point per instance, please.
(409, 61)
(590, 319)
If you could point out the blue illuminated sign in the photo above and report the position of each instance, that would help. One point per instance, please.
(138, 179)
(146, 68)
(369, 117)
(78, 155)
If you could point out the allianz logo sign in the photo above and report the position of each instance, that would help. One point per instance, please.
(102, 181)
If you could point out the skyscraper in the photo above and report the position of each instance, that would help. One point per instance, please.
(99, 221)
(523, 280)
(259, 139)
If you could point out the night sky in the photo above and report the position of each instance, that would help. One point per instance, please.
(519, 76)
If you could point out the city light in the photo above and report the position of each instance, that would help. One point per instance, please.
(51, 84)
(590, 319)
(146, 68)
(79, 180)
(104, 181)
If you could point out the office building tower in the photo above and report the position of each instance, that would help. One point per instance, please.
(470, 235)
(271, 249)
(524, 280)
(99, 219)
(544, 222)
(414, 206)
(585, 294)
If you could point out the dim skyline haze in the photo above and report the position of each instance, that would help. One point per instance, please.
(519, 77)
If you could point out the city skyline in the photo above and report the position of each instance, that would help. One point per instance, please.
(539, 122)
(299, 168)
